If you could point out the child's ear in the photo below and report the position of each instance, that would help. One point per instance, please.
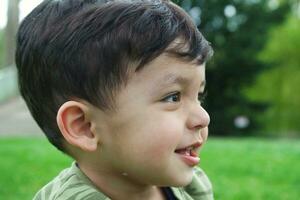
(75, 125)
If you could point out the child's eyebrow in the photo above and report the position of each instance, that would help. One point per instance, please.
(171, 79)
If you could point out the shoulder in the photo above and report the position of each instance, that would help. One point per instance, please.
(200, 187)
(71, 183)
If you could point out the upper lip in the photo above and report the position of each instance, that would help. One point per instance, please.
(194, 145)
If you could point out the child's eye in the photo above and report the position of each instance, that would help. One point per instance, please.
(172, 98)
(202, 96)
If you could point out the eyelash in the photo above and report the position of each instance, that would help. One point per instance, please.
(177, 95)
(174, 94)
(202, 96)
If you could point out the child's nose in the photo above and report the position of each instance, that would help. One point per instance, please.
(198, 117)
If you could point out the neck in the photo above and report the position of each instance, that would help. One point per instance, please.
(118, 186)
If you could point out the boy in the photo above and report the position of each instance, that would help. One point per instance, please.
(116, 84)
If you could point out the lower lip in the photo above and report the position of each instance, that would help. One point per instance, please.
(190, 160)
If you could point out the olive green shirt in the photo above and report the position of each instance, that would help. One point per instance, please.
(72, 184)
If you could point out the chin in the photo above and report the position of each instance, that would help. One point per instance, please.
(183, 180)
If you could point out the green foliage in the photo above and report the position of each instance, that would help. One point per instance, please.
(237, 37)
(284, 44)
(252, 169)
(279, 86)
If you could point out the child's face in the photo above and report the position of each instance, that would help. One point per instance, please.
(158, 112)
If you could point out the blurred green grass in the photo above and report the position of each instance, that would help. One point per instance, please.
(26, 165)
(238, 168)
(253, 168)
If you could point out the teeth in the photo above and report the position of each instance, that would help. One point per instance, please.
(187, 151)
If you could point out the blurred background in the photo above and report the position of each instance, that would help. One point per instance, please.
(253, 100)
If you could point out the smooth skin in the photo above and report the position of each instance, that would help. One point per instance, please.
(130, 152)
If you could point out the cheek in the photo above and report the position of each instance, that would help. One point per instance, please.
(162, 135)
(150, 133)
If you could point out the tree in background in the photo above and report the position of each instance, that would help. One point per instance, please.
(238, 31)
(10, 32)
(1, 49)
(280, 85)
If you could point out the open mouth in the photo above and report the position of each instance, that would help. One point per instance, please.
(189, 154)
(190, 151)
